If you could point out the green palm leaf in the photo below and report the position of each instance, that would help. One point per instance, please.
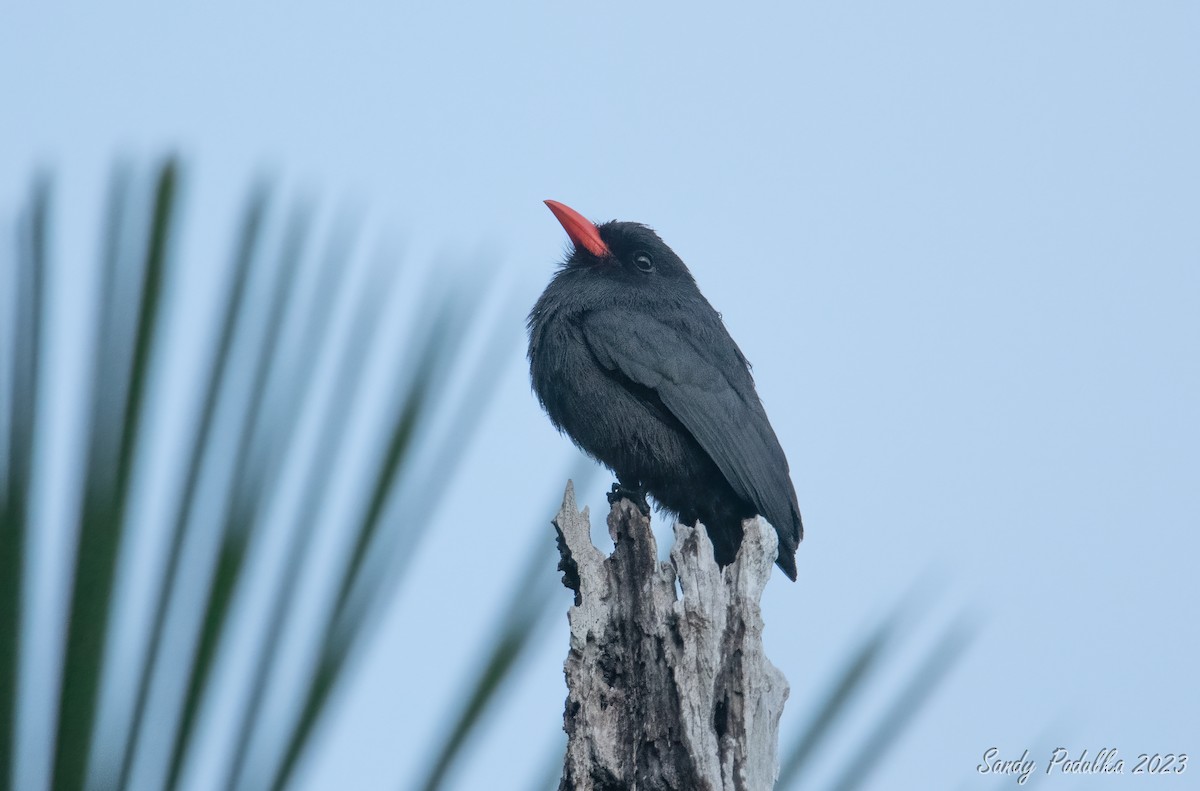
(21, 400)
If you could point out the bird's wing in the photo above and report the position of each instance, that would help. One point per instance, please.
(702, 378)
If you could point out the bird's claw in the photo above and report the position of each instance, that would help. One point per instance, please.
(634, 494)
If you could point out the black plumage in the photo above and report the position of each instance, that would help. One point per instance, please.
(632, 362)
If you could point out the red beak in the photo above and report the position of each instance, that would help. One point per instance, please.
(582, 231)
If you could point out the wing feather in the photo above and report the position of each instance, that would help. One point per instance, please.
(704, 380)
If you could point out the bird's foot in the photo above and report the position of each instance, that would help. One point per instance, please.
(635, 494)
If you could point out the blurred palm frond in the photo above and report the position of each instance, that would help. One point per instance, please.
(278, 406)
(857, 676)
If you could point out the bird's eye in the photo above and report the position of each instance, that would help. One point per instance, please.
(644, 262)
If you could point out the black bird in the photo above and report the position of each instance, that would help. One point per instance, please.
(632, 362)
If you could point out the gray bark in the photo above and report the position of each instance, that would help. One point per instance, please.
(667, 692)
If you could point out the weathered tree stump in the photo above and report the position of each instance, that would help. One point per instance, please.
(667, 692)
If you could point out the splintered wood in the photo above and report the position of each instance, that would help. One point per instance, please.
(667, 692)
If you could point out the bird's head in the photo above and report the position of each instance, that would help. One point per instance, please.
(628, 252)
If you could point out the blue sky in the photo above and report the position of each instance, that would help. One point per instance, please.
(957, 240)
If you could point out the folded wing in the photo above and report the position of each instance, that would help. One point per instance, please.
(704, 380)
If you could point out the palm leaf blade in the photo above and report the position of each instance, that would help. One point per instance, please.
(110, 463)
(25, 352)
(248, 240)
